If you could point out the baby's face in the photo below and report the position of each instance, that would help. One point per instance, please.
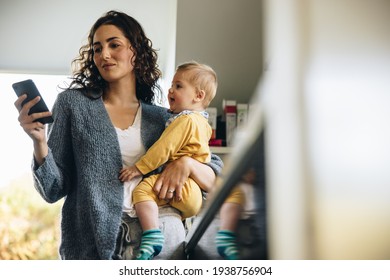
(182, 94)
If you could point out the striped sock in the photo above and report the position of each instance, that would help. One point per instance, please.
(151, 244)
(226, 244)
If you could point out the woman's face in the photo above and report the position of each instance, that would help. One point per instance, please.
(113, 54)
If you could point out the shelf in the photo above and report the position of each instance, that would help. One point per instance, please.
(221, 150)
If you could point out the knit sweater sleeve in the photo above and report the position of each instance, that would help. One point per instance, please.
(216, 164)
(51, 179)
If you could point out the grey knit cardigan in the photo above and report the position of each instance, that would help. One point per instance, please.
(82, 167)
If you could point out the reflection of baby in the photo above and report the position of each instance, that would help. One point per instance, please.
(230, 213)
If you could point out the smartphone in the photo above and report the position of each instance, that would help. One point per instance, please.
(28, 87)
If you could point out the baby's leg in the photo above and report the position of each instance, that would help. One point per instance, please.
(147, 211)
(191, 203)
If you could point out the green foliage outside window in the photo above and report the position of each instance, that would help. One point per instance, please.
(29, 226)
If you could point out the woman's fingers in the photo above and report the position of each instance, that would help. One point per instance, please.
(170, 183)
(34, 129)
(19, 101)
(24, 116)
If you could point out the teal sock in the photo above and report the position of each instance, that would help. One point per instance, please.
(151, 244)
(226, 244)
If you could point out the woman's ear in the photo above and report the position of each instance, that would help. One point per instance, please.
(134, 55)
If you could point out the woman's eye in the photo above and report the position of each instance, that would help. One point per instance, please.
(97, 50)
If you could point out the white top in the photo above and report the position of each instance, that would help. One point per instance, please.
(132, 150)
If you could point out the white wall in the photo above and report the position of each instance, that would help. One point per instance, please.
(43, 36)
(226, 34)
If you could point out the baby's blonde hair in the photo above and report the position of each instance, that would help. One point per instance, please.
(202, 77)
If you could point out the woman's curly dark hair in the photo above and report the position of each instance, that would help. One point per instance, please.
(87, 76)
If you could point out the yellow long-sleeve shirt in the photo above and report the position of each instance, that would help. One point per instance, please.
(187, 135)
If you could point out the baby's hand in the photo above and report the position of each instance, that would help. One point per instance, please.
(128, 173)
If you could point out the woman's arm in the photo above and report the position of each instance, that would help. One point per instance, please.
(48, 175)
(178, 171)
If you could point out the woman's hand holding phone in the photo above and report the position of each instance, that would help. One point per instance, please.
(34, 129)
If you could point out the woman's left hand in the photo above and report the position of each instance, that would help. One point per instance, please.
(171, 181)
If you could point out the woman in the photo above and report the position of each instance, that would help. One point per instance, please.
(106, 119)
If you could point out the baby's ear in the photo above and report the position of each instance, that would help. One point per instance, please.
(200, 95)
